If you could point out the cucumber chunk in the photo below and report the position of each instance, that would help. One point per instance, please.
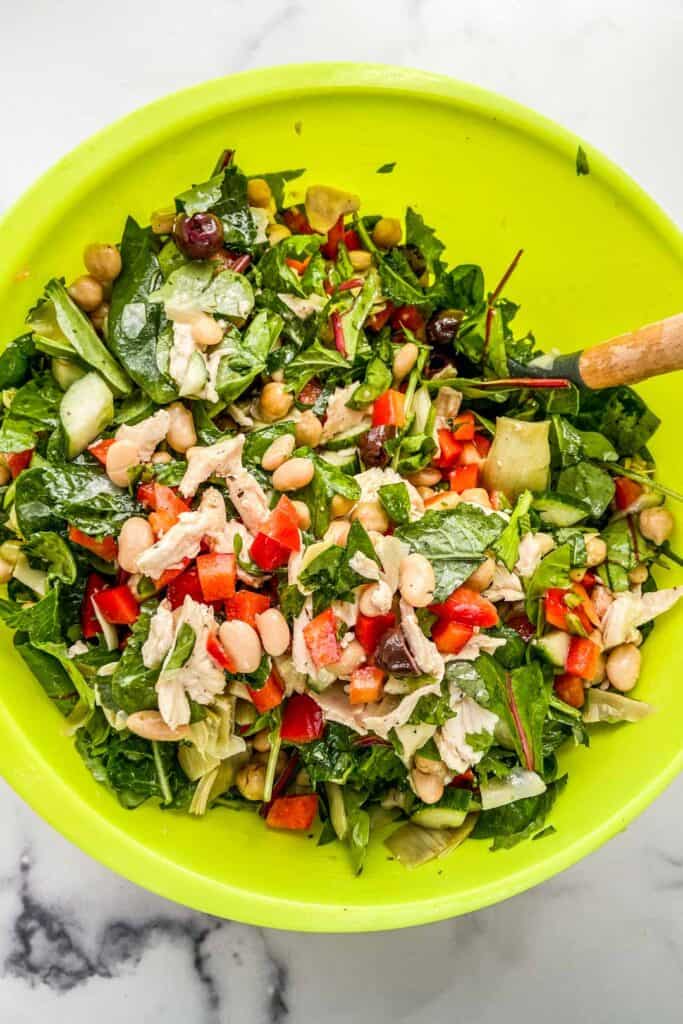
(195, 377)
(449, 812)
(560, 509)
(85, 410)
(66, 372)
(554, 647)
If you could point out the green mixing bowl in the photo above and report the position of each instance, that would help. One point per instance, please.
(599, 258)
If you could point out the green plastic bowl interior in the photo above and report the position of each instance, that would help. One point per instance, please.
(599, 258)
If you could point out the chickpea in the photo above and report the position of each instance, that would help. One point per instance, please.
(638, 575)
(425, 477)
(387, 232)
(121, 456)
(352, 656)
(405, 360)
(102, 261)
(162, 458)
(162, 221)
(275, 401)
(371, 515)
(429, 788)
(10, 551)
(261, 742)
(100, 316)
(251, 780)
(181, 433)
(242, 645)
(360, 259)
(623, 667)
(338, 532)
(274, 631)
(482, 577)
(596, 551)
(416, 581)
(6, 571)
(136, 536)
(303, 514)
(278, 232)
(151, 726)
(476, 496)
(309, 429)
(206, 331)
(293, 475)
(656, 524)
(278, 452)
(427, 766)
(340, 506)
(259, 193)
(86, 292)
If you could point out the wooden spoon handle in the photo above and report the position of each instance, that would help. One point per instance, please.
(635, 356)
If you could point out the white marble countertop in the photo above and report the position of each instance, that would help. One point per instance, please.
(604, 940)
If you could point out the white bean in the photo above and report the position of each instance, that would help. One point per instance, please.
(274, 631)
(623, 667)
(482, 577)
(303, 514)
(242, 645)
(425, 477)
(293, 474)
(278, 452)
(181, 433)
(136, 536)
(405, 360)
(416, 581)
(151, 726)
(429, 788)
(121, 456)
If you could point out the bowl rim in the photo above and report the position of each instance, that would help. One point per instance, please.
(55, 800)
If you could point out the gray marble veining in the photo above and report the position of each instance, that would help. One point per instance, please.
(603, 941)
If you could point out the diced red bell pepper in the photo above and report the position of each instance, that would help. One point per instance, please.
(296, 813)
(282, 525)
(558, 613)
(246, 605)
(467, 606)
(217, 574)
(297, 221)
(216, 651)
(105, 548)
(187, 583)
(335, 235)
(389, 409)
(161, 498)
(554, 608)
(570, 689)
(298, 265)
(90, 626)
(99, 449)
(463, 426)
(583, 658)
(451, 637)
(302, 720)
(483, 444)
(408, 317)
(371, 628)
(19, 461)
(161, 522)
(117, 605)
(463, 781)
(449, 450)
(469, 456)
(268, 553)
(381, 318)
(321, 639)
(168, 575)
(626, 492)
(269, 696)
(367, 685)
(352, 240)
(463, 478)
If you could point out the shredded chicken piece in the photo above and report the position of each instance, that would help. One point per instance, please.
(382, 724)
(451, 738)
(160, 636)
(446, 407)
(532, 548)
(183, 540)
(480, 643)
(339, 417)
(632, 609)
(423, 650)
(224, 459)
(147, 434)
(505, 586)
(336, 708)
(199, 679)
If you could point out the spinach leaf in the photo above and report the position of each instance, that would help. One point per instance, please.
(331, 758)
(398, 281)
(49, 673)
(57, 319)
(329, 575)
(182, 648)
(15, 362)
(395, 501)
(327, 481)
(510, 824)
(590, 484)
(47, 496)
(245, 358)
(454, 541)
(621, 415)
(567, 446)
(33, 410)
(197, 286)
(552, 571)
(134, 322)
(520, 698)
(596, 446)
(132, 685)
(224, 195)
(421, 235)
(49, 547)
(507, 545)
(314, 361)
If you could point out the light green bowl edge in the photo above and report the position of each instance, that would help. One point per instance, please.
(59, 803)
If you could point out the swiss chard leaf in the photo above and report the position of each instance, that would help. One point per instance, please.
(520, 698)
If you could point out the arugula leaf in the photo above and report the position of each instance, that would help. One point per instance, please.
(520, 698)
(353, 319)
(378, 378)
(134, 323)
(47, 496)
(15, 361)
(465, 284)
(395, 501)
(277, 274)
(421, 235)
(510, 824)
(398, 280)
(590, 484)
(454, 541)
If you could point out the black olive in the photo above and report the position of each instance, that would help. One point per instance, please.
(199, 236)
(372, 446)
(393, 654)
(416, 260)
(443, 328)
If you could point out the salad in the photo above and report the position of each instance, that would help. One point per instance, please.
(281, 530)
